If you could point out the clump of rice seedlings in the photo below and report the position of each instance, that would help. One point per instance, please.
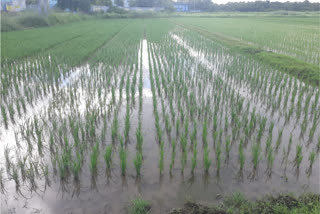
(173, 155)
(161, 158)
(242, 158)
(270, 159)
(177, 127)
(228, 148)
(94, 158)
(193, 136)
(194, 158)
(15, 176)
(268, 143)
(206, 160)
(279, 139)
(271, 127)
(11, 112)
(289, 145)
(4, 116)
(7, 157)
(108, 156)
(204, 133)
(123, 160)
(139, 137)
(312, 158)
(138, 162)
(2, 188)
(218, 156)
(167, 123)
(127, 124)
(76, 167)
(255, 155)
(114, 129)
(299, 156)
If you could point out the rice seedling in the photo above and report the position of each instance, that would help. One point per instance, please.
(4, 116)
(206, 160)
(255, 151)
(173, 155)
(114, 129)
(123, 160)
(312, 157)
(161, 158)
(204, 133)
(138, 162)
(139, 137)
(298, 158)
(270, 159)
(242, 158)
(218, 156)
(194, 158)
(94, 158)
(228, 148)
(279, 139)
(108, 156)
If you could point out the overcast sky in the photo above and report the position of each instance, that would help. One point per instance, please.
(226, 1)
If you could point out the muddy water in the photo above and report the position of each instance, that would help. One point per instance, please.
(111, 193)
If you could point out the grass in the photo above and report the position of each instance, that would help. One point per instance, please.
(237, 203)
(139, 206)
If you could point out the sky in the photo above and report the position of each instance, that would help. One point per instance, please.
(226, 1)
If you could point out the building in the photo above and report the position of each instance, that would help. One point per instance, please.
(181, 6)
(13, 5)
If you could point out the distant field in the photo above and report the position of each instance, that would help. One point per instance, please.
(294, 36)
(99, 112)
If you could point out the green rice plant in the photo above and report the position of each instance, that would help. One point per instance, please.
(76, 167)
(123, 160)
(279, 139)
(173, 155)
(167, 123)
(161, 158)
(271, 127)
(242, 158)
(139, 137)
(2, 187)
(108, 156)
(114, 129)
(138, 162)
(177, 127)
(268, 143)
(218, 156)
(289, 145)
(127, 124)
(11, 112)
(299, 156)
(194, 158)
(312, 157)
(228, 147)
(204, 133)
(206, 160)
(94, 158)
(255, 155)
(4, 116)
(270, 158)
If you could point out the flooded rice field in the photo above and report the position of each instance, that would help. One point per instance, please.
(183, 118)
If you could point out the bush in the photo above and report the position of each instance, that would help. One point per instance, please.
(33, 20)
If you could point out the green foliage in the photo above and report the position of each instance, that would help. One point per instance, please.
(139, 206)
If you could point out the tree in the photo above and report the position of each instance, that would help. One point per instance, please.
(119, 3)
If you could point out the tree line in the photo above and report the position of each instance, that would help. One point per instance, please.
(199, 5)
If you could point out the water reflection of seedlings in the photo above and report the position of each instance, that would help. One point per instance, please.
(298, 157)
